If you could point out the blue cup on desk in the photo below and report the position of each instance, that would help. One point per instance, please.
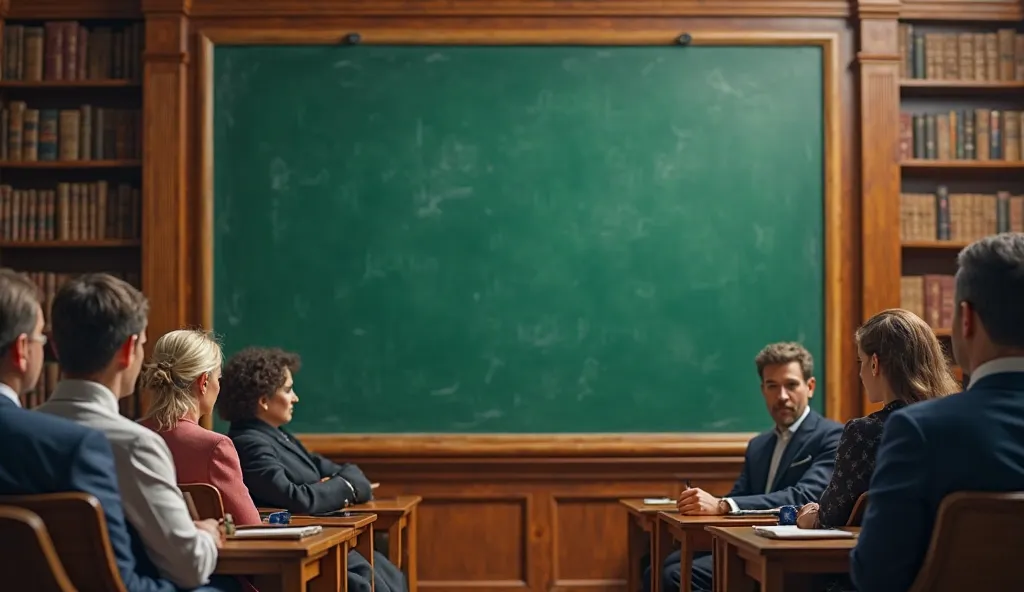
(787, 515)
(279, 518)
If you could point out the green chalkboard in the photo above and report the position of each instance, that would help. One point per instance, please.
(520, 239)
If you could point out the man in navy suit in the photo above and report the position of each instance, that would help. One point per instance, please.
(47, 454)
(790, 465)
(972, 441)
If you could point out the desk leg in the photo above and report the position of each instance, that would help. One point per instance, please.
(730, 569)
(396, 544)
(364, 545)
(663, 545)
(636, 538)
(409, 546)
(331, 577)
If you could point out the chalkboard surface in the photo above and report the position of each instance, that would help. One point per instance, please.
(520, 239)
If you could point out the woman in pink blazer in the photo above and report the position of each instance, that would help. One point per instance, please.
(183, 379)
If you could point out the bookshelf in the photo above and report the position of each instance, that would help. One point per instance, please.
(960, 151)
(71, 153)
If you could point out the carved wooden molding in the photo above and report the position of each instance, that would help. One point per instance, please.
(967, 10)
(166, 6)
(634, 447)
(569, 8)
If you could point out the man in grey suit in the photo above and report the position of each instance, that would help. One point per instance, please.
(99, 327)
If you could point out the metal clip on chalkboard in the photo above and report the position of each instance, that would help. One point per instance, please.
(353, 39)
(684, 39)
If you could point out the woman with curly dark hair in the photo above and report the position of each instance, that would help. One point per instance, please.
(257, 396)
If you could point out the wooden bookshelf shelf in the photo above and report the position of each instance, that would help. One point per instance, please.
(71, 84)
(938, 165)
(954, 87)
(936, 244)
(71, 244)
(71, 164)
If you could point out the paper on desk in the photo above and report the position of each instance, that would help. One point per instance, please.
(283, 532)
(657, 501)
(795, 533)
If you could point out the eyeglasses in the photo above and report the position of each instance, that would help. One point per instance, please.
(40, 339)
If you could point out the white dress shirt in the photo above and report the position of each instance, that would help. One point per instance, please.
(10, 394)
(996, 366)
(782, 439)
(153, 504)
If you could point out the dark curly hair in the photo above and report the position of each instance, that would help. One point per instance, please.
(252, 373)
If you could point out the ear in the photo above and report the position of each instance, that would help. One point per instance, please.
(874, 364)
(264, 402)
(203, 380)
(126, 353)
(968, 320)
(810, 387)
(19, 352)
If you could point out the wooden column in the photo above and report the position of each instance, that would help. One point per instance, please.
(878, 61)
(164, 189)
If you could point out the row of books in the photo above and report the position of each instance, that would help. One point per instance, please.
(72, 211)
(86, 133)
(960, 217)
(967, 134)
(68, 50)
(997, 56)
(930, 297)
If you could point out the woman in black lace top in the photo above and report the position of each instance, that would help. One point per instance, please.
(901, 363)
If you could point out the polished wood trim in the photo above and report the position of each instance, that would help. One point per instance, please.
(837, 227)
(567, 8)
(73, 9)
(962, 10)
(522, 446)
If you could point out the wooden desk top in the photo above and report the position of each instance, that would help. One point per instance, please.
(401, 505)
(353, 521)
(702, 522)
(286, 549)
(744, 537)
(637, 506)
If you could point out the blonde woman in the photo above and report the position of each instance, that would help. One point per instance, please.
(183, 381)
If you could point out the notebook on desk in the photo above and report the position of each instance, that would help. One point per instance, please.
(276, 532)
(791, 532)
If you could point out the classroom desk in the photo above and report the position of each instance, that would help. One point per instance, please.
(743, 558)
(690, 532)
(317, 563)
(642, 537)
(361, 523)
(397, 516)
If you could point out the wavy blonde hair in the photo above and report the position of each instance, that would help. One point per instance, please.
(911, 357)
(179, 359)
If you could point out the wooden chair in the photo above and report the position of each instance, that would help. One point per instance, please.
(27, 556)
(78, 530)
(206, 498)
(976, 544)
(857, 515)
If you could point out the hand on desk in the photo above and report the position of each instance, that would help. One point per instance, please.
(694, 501)
(213, 528)
(807, 517)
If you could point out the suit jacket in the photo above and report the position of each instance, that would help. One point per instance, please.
(972, 441)
(855, 462)
(152, 501)
(281, 473)
(50, 455)
(804, 468)
(204, 456)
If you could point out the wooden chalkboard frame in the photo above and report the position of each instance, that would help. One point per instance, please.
(840, 402)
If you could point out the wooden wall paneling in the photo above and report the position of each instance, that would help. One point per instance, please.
(878, 61)
(164, 188)
(74, 9)
(505, 8)
(965, 10)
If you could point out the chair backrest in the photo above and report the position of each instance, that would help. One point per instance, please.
(206, 499)
(27, 556)
(976, 544)
(859, 507)
(78, 530)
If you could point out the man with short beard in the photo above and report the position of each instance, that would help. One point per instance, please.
(789, 465)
